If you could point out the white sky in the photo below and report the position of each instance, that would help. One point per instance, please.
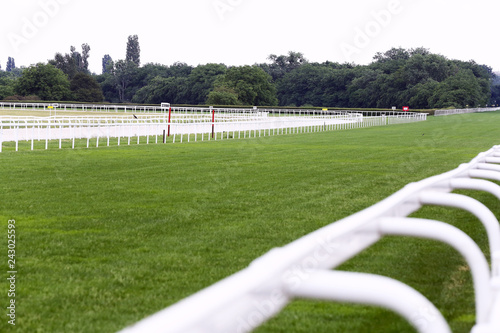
(245, 32)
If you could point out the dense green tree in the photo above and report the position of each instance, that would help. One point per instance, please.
(150, 79)
(143, 76)
(419, 95)
(420, 68)
(283, 64)
(108, 86)
(495, 95)
(459, 90)
(149, 71)
(160, 89)
(7, 83)
(179, 69)
(252, 85)
(412, 76)
(336, 85)
(391, 60)
(304, 85)
(364, 90)
(45, 81)
(495, 90)
(85, 88)
(397, 77)
(202, 80)
(223, 95)
(133, 50)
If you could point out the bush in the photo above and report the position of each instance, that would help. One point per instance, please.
(22, 98)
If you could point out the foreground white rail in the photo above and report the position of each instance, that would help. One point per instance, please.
(302, 269)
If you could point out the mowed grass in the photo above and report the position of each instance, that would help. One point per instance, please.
(107, 236)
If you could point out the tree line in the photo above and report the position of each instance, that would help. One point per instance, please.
(414, 77)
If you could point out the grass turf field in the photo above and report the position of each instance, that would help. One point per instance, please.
(106, 236)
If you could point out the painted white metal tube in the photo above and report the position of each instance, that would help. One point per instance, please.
(482, 185)
(376, 290)
(486, 166)
(475, 184)
(473, 206)
(486, 174)
(495, 308)
(493, 324)
(459, 241)
(493, 160)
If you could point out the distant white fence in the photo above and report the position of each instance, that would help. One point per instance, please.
(80, 107)
(302, 269)
(187, 124)
(463, 111)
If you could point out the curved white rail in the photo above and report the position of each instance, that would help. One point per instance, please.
(374, 290)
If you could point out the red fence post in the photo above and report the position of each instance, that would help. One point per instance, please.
(213, 122)
(169, 115)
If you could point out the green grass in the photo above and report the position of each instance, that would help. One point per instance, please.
(109, 235)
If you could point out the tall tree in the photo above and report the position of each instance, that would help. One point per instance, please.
(65, 63)
(123, 74)
(133, 50)
(77, 57)
(85, 57)
(11, 64)
(106, 62)
(74, 62)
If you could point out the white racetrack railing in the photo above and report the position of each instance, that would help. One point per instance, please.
(302, 269)
(191, 124)
(463, 111)
(142, 109)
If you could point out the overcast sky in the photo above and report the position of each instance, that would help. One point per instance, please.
(245, 32)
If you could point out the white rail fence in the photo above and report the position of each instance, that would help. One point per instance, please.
(139, 109)
(182, 125)
(463, 111)
(80, 107)
(302, 269)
